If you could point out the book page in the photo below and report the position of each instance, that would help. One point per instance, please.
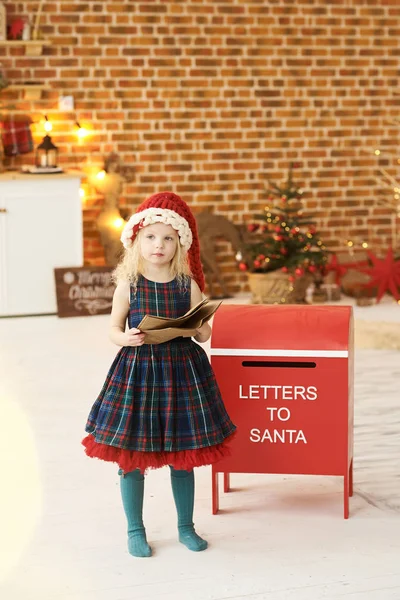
(162, 329)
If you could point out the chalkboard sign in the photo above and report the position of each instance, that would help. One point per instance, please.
(83, 291)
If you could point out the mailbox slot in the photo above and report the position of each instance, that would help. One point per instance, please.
(278, 365)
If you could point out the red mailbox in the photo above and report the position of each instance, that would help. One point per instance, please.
(286, 377)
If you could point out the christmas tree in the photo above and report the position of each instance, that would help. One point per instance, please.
(284, 238)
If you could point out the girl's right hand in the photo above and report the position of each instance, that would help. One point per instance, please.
(134, 337)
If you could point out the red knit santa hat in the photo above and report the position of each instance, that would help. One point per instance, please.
(168, 208)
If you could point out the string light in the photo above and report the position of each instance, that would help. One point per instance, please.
(364, 244)
(83, 196)
(82, 131)
(101, 174)
(377, 152)
(118, 223)
(47, 124)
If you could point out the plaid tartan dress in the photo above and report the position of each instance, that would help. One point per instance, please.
(160, 404)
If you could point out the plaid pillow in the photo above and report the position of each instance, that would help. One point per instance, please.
(16, 135)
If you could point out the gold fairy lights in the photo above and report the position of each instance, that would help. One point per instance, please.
(390, 186)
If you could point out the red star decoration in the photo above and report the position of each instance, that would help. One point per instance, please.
(385, 274)
(337, 268)
(341, 269)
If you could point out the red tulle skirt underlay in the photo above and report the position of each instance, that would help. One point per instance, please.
(129, 460)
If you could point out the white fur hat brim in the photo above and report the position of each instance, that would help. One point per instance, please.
(157, 215)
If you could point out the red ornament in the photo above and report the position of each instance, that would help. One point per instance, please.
(385, 274)
(291, 278)
(277, 229)
(261, 257)
(278, 238)
(284, 269)
(299, 271)
(252, 227)
(243, 266)
(312, 268)
(284, 251)
(257, 264)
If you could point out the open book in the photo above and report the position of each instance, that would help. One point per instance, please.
(163, 329)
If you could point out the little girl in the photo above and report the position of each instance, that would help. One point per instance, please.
(160, 404)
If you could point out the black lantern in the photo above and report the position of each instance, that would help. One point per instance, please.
(46, 154)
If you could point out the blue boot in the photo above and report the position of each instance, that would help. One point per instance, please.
(132, 491)
(182, 483)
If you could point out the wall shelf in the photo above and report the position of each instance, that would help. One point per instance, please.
(33, 91)
(32, 47)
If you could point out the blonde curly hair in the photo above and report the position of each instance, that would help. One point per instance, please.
(132, 264)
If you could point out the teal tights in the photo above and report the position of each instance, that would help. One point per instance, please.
(132, 491)
(182, 483)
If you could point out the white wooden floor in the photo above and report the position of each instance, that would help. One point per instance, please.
(62, 529)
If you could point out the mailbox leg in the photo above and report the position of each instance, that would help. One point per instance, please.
(227, 485)
(346, 496)
(351, 478)
(215, 495)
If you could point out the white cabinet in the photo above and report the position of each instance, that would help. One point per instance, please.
(40, 229)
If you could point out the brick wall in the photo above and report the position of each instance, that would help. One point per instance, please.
(211, 98)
